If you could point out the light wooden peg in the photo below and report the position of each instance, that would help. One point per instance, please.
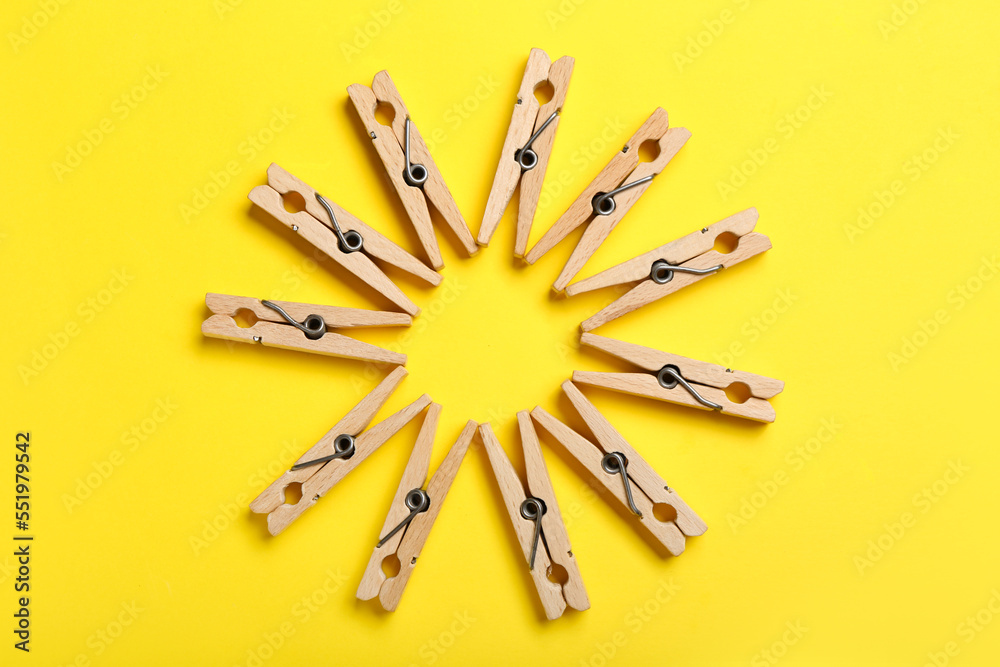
(320, 471)
(644, 490)
(408, 547)
(703, 382)
(601, 210)
(552, 548)
(529, 119)
(315, 226)
(669, 268)
(274, 330)
(391, 144)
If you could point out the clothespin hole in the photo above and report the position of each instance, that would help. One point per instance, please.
(385, 113)
(293, 201)
(390, 566)
(557, 574)
(649, 150)
(738, 392)
(663, 512)
(544, 92)
(293, 493)
(245, 318)
(726, 242)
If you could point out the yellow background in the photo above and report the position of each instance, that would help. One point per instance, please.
(502, 344)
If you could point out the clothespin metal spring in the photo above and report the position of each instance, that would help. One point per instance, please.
(343, 446)
(415, 175)
(526, 157)
(662, 271)
(615, 463)
(532, 509)
(417, 501)
(670, 376)
(314, 326)
(604, 202)
(350, 241)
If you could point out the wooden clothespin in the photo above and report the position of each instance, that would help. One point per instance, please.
(409, 164)
(620, 469)
(677, 264)
(526, 150)
(341, 450)
(412, 512)
(300, 326)
(341, 236)
(610, 195)
(676, 379)
(537, 521)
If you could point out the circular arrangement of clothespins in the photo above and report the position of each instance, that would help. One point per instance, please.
(607, 456)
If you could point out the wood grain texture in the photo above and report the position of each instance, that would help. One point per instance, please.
(389, 143)
(271, 500)
(419, 529)
(601, 226)
(554, 544)
(414, 476)
(273, 331)
(435, 189)
(610, 440)
(648, 291)
(354, 422)
(556, 537)
(610, 177)
(522, 124)
(376, 245)
(365, 101)
(336, 317)
(317, 234)
(676, 252)
(287, 337)
(589, 455)
(710, 380)
(531, 181)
